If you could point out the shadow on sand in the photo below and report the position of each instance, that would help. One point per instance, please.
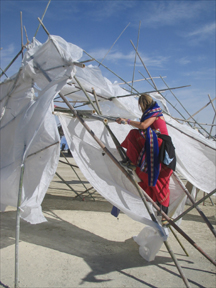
(101, 255)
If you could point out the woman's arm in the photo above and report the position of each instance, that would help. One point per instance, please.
(140, 125)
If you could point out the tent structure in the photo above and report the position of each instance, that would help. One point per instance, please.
(30, 141)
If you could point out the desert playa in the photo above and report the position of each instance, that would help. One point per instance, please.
(83, 245)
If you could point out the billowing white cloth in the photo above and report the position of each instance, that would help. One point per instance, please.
(29, 136)
(110, 181)
(29, 133)
(196, 155)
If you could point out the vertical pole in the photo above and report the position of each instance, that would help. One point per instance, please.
(96, 101)
(18, 226)
(214, 114)
(21, 32)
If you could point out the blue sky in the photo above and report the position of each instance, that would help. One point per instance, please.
(176, 40)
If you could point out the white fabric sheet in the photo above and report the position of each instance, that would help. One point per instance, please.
(28, 128)
(102, 172)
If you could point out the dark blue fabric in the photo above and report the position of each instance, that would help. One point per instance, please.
(152, 157)
(149, 156)
(115, 211)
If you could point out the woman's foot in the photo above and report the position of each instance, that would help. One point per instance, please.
(165, 222)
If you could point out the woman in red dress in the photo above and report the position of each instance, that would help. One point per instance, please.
(143, 147)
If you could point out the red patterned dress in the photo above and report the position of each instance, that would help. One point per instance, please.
(134, 143)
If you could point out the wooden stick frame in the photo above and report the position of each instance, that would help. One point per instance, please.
(122, 169)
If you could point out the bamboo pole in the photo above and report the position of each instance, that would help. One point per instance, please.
(193, 202)
(71, 188)
(177, 264)
(183, 120)
(111, 71)
(175, 175)
(77, 177)
(165, 97)
(156, 90)
(185, 109)
(113, 44)
(4, 73)
(154, 85)
(96, 100)
(89, 193)
(17, 237)
(138, 80)
(69, 164)
(42, 18)
(8, 95)
(12, 61)
(139, 190)
(95, 108)
(128, 175)
(190, 136)
(21, 32)
(214, 112)
(194, 205)
(144, 65)
(183, 248)
(42, 149)
(131, 178)
(135, 55)
(201, 108)
(115, 140)
(26, 36)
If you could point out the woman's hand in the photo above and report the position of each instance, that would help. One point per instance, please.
(140, 125)
(121, 121)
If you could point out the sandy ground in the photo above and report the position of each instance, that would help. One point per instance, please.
(83, 245)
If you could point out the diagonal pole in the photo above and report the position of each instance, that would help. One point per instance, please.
(197, 207)
(42, 18)
(201, 108)
(194, 205)
(115, 140)
(141, 192)
(111, 71)
(185, 108)
(144, 66)
(12, 61)
(176, 176)
(113, 44)
(136, 54)
(71, 188)
(214, 112)
(72, 167)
